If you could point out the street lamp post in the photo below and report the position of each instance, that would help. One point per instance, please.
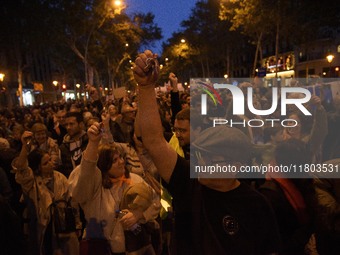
(330, 58)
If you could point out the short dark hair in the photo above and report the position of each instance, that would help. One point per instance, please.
(183, 101)
(77, 115)
(183, 114)
(34, 160)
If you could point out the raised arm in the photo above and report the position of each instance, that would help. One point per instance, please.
(175, 104)
(320, 125)
(146, 73)
(26, 138)
(107, 135)
(23, 174)
(94, 134)
(86, 178)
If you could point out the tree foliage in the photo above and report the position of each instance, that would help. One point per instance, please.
(85, 40)
(211, 48)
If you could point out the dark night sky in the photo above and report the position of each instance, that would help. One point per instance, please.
(168, 14)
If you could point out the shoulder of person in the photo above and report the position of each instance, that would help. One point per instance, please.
(59, 175)
(124, 146)
(136, 178)
(52, 142)
(119, 118)
(66, 139)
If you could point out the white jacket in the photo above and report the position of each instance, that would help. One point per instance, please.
(34, 187)
(100, 204)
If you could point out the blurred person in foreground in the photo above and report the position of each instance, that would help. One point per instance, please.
(223, 215)
(327, 190)
(292, 196)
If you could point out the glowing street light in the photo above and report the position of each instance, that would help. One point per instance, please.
(117, 6)
(117, 3)
(330, 58)
(2, 89)
(182, 40)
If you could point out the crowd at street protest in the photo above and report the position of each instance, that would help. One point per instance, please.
(112, 176)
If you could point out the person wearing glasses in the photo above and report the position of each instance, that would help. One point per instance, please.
(180, 140)
(187, 125)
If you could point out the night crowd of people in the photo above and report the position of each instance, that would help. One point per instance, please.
(122, 167)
